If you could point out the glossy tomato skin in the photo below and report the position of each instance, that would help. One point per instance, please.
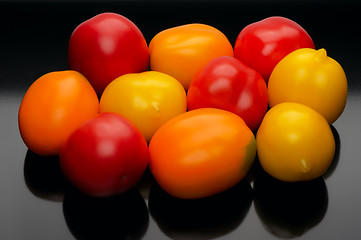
(183, 50)
(105, 156)
(52, 108)
(261, 45)
(295, 143)
(148, 99)
(310, 77)
(106, 47)
(201, 153)
(228, 84)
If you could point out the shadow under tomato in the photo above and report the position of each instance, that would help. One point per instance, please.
(288, 210)
(145, 184)
(43, 176)
(200, 218)
(124, 216)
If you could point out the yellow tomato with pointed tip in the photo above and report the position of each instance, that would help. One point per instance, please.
(295, 143)
(148, 99)
(312, 78)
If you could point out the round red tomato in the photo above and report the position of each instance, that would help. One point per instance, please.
(105, 156)
(106, 47)
(228, 84)
(261, 45)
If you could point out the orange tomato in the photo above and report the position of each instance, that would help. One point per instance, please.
(53, 107)
(183, 50)
(201, 153)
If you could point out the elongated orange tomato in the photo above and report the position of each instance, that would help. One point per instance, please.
(53, 107)
(201, 153)
(183, 50)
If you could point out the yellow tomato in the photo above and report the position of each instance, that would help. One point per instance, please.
(183, 50)
(312, 78)
(295, 143)
(148, 99)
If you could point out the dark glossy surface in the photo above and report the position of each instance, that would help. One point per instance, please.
(37, 203)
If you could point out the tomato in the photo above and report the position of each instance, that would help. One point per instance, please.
(312, 78)
(261, 45)
(148, 99)
(106, 47)
(106, 155)
(201, 153)
(53, 107)
(295, 143)
(228, 84)
(183, 50)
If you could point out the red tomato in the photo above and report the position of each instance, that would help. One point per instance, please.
(105, 156)
(261, 45)
(106, 47)
(228, 84)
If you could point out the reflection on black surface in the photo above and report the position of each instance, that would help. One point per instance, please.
(289, 210)
(43, 176)
(123, 216)
(145, 183)
(201, 218)
(335, 160)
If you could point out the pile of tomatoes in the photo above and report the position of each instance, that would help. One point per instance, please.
(190, 106)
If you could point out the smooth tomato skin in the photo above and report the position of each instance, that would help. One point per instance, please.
(52, 108)
(148, 99)
(226, 83)
(295, 143)
(183, 50)
(201, 153)
(105, 156)
(310, 77)
(106, 47)
(261, 45)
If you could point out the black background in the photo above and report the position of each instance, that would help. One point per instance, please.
(37, 203)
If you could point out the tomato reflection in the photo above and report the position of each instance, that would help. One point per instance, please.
(124, 216)
(200, 218)
(43, 176)
(289, 209)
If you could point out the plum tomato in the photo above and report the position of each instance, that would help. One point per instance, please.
(201, 153)
(183, 50)
(105, 156)
(228, 84)
(148, 99)
(261, 45)
(52, 108)
(312, 78)
(295, 143)
(105, 47)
